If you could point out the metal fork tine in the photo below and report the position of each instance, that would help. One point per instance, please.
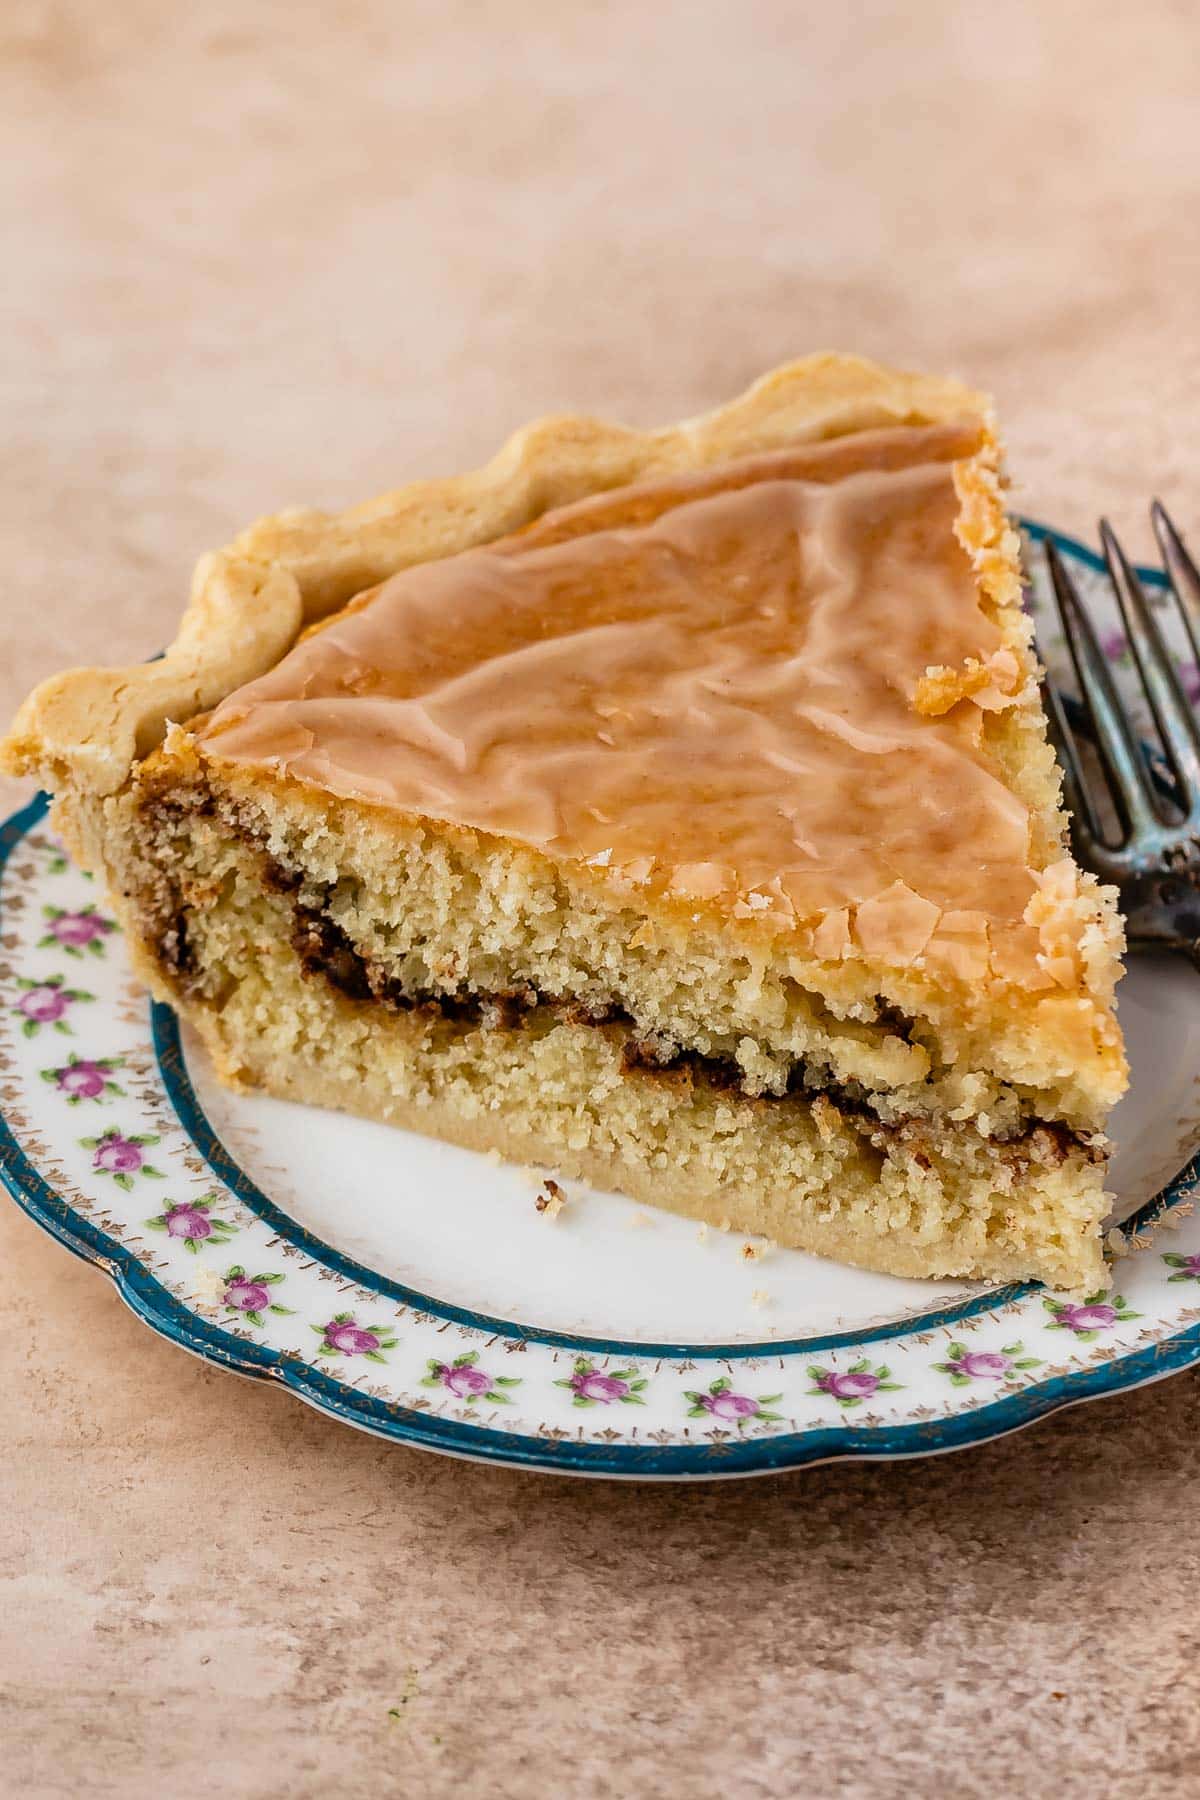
(1182, 572)
(1115, 743)
(1172, 714)
(1075, 789)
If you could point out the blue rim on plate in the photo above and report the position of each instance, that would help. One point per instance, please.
(167, 1315)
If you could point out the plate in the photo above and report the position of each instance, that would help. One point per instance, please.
(416, 1291)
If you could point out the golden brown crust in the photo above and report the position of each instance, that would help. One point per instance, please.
(86, 728)
(249, 602)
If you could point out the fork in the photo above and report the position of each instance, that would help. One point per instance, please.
(1154, 859)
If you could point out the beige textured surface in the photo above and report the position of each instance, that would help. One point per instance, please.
(261, 258)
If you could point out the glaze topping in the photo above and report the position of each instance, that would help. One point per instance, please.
(707, 685)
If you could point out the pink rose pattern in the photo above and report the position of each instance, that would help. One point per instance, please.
(965, 1366)
(850, 1387)
(469, 1383)
(344, 1336)
(249, 1296)
(121, 1157)
(193, 1222)
(718, 1401)
(590, 1386)
(75, 932)
(1187, 1268)
(1097, 1314)
(85, 1078)
(47, 1003)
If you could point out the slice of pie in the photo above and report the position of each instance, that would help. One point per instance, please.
(673, 811)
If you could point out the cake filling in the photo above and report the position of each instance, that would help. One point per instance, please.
(384, 938)
(326, 953)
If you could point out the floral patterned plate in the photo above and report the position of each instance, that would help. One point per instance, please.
(444, 1300)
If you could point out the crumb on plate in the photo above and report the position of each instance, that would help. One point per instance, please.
(551, 1199)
